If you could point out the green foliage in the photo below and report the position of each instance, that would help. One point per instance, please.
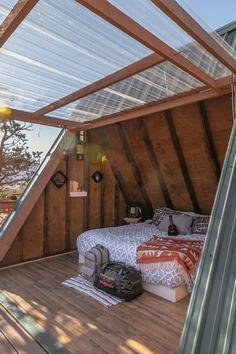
(17, 162)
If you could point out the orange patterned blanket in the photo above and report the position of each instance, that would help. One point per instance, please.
(160, 249)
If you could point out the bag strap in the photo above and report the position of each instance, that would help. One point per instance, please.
(171, 219)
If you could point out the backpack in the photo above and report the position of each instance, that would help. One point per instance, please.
(120, 280)
(93, 258)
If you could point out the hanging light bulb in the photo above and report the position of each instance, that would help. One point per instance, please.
(5, 112)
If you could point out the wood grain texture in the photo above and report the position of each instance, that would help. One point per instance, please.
(128, 147)
(154, 165)
(221, 121)
(196, 154)
(76, 204)
(32, 232)
(56, 215)
(182, 162)
(147, 325)
(16, 336)
(209, 139)
(112, 157)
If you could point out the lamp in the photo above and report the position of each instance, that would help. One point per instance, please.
(97, 176)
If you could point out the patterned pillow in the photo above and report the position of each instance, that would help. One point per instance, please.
(200, 225)
(160, 214)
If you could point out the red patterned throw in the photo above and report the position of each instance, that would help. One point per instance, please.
(185, 253)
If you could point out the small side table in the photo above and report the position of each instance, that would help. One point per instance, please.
(132, 220)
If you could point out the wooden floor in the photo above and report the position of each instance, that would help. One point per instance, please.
(145, 325)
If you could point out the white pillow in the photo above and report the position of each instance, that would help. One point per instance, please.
(182, 222)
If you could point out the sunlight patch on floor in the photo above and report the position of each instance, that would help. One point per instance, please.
(138, 347)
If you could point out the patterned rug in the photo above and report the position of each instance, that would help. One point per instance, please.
(86, 287)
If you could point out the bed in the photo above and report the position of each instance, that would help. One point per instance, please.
(169, 281)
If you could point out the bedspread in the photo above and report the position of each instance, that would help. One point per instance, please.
(158, 251)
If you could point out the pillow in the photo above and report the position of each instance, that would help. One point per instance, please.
(200, 224)
(160, 213)
(182, 222)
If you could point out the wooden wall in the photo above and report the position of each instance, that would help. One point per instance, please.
(173, 158)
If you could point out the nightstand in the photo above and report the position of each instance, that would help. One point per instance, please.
(132, 220)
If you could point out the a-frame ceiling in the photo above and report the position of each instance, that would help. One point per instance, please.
(160, 73)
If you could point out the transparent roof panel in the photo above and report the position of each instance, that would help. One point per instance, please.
(60, 47)
(5, 8)
(159, 82)
(154, 20)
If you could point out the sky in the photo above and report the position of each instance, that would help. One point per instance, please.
(214, 13)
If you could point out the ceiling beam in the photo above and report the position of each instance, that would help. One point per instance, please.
(50, 121)
(182, 18)
(122, 74)
(154, 107)
(222, 84)
(120, 20)
(15, 17)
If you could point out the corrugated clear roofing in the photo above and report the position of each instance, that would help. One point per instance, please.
(61, 47)
(161, 81)
(5, 8)
(155, 21)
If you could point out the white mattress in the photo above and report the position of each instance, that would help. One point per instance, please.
(122, 242)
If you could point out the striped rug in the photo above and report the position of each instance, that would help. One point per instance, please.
(86, 287)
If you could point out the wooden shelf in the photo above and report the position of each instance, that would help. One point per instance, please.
(78, 194)
(132, 220)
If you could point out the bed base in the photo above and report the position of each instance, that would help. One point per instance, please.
(172, 295)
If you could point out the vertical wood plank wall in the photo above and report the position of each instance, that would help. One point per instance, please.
(171, 158)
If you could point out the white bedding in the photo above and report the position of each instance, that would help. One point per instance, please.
(122, 242)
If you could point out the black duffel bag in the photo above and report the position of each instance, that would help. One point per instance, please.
(120, 280)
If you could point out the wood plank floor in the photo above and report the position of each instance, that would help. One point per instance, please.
(145, 325)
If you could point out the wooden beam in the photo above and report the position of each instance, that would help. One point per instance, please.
(120, 20)
(135, 170)
(182, 162)
(210, 141)
(122, 74)
(162, 105)
(222, 84)
(154, 162)
(183, 19)
(15, 17)
(50, 121)
(26, 205)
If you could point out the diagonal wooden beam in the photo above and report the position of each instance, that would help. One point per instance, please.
(182, 18)
(120, 20)
(209, 139)
(148, 210)
(15, 17)
(154, 161)
(122, 74)
(182, 161)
